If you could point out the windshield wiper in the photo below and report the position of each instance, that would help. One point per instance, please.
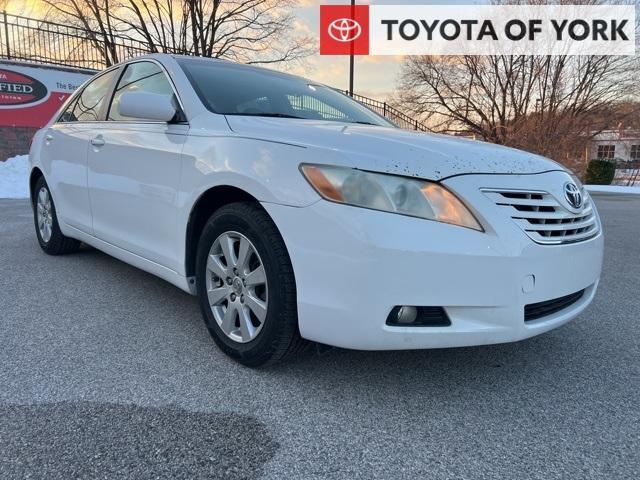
(264, 114)
(365, 123)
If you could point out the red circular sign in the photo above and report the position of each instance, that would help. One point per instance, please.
(19, 89)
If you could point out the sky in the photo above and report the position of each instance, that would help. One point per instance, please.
(375, 76)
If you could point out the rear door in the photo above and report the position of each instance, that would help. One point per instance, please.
(64, 151)
(134, 173)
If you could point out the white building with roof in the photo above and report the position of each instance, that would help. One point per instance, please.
(623, 147)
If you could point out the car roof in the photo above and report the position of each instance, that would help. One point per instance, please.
(222, 61)
(241, 66)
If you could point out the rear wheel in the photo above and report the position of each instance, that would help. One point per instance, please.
(246, 286)
(50, 238)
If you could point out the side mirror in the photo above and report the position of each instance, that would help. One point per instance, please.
(147, 106)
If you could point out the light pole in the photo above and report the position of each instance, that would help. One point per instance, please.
(351, 56)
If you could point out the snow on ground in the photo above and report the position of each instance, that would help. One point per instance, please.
(14, 177)
(613, 189)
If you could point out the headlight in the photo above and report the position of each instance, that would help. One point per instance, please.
(389, 193)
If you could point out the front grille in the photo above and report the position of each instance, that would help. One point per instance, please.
(544, 219)
(533, 311)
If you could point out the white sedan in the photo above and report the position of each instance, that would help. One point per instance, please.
(295, 213)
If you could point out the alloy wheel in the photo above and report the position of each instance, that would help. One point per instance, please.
(236, 285)
(44, 214)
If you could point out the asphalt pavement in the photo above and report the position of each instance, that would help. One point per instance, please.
(109, 372)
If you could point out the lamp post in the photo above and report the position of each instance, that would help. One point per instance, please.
(351, 56)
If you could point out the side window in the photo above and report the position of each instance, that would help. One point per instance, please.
(139, 77)
(86, 108)
(68, 115)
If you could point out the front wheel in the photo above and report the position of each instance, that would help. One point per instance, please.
(246, 286)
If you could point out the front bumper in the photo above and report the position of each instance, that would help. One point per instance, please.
(353, 266)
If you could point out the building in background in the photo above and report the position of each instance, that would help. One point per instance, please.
(623, 147)
(619, 145)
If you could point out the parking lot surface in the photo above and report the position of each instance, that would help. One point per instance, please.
(109, 372)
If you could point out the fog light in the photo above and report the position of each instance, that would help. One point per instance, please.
(406, 315)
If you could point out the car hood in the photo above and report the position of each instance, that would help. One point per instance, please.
(392, 150)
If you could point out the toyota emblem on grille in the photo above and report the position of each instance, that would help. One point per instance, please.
(344, 30)
(573, 195)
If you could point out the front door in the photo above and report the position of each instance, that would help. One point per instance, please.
(134, 171)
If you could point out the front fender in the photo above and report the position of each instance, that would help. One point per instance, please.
(266, 170)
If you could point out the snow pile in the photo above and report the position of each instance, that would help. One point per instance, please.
(14, 177)
(613, 189)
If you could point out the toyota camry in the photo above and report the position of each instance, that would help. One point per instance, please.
(296, 214)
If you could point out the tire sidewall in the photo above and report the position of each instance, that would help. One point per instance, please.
(250, 352)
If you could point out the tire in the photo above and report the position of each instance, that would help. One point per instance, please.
(50, 237)
(238, 301)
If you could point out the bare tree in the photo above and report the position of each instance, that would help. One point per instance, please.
(249, 31)
(95, 18)
(550, 105)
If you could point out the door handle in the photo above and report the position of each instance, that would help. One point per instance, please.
(48, 137)
(97, 141)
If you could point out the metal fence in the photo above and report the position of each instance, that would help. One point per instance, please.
(627, 173)
(42, 41)
(396, 116)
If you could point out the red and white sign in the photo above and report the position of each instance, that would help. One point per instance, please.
(30, 95)
(344, 30)
(18, 89)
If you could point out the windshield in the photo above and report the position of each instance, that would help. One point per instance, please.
(232, 89)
